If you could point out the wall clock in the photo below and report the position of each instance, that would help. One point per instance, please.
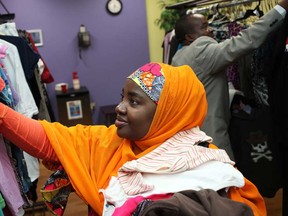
(114, 7)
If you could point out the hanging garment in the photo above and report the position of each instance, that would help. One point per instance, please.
(12, 63)
(9, 186)
(14, 153)
(278, 91)
(166, 45)
(8, 28)
(2, 205)
(29, 61)
(46, 76)
(256, 154)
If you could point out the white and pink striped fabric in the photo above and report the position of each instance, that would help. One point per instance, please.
(178, 154)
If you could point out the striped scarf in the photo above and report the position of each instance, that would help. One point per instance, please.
(177, 154)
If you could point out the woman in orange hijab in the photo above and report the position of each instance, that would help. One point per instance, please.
(159, 102)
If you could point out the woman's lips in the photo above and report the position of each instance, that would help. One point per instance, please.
(120, 123)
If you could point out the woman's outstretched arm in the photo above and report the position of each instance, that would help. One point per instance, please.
(26, 133)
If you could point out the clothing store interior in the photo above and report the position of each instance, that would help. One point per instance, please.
(75, 55)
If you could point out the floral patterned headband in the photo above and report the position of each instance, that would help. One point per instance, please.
(150, 78)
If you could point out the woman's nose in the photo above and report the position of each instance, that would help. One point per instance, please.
(120, 108)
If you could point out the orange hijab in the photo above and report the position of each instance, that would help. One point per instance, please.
(92, 154)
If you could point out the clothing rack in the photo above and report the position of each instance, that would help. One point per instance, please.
(221, 5)
(187, 4)
(199, 3)
(8, 15)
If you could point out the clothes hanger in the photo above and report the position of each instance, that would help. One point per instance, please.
(8, 15)
(193, 3)
(255, 12)
(182, 5)
(2, 21)
(217, 16)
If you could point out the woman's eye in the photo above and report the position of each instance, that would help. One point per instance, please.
(133, 102)
(121, 96)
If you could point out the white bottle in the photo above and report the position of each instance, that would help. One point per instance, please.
(76, 82)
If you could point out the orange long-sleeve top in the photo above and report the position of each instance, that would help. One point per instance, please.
(28, 134)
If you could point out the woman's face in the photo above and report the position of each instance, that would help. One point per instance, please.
(135, 112)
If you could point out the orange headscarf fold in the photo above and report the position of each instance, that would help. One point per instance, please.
(182, 105)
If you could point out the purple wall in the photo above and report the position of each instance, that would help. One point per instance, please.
(119, 43)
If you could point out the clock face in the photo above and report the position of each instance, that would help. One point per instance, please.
(114, 7)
